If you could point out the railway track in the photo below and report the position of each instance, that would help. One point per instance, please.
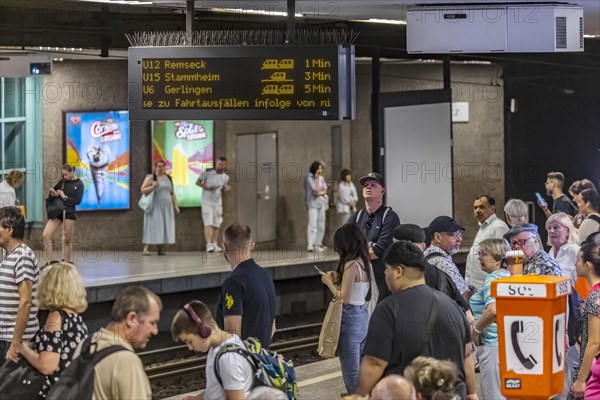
(194, 365)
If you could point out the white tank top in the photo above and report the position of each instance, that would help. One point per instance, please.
(359, 289)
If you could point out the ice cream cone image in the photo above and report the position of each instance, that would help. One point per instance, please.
(99, 158)
(180, 166)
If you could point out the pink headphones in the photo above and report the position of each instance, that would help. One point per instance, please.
(204, 330)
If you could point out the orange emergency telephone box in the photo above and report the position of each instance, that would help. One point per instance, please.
(531, 317)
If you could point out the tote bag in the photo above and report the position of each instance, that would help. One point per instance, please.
(146, 201)
(330, 330)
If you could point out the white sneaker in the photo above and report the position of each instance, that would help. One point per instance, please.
(210, 248)
(321, 247)
(217, 248)
(310, 249)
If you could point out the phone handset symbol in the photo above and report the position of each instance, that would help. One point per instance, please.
(556, 349)
(516, 328)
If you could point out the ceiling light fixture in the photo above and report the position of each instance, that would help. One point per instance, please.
(382, 21)
(253, 12)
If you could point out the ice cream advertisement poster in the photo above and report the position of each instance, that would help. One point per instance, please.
(98, 148)
(187, 150)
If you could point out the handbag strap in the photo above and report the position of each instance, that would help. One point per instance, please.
(433, 312)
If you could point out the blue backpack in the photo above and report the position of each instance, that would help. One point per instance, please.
(270, 369)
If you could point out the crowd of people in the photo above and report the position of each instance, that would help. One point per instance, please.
(385, 352)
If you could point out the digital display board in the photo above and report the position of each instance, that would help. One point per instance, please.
(242, 82)
(97, 145)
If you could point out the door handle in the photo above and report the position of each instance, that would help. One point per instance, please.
(258, 195)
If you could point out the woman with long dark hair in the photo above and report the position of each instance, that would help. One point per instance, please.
(317, 203)
(588, 266)
(70, 190)
(350, 283)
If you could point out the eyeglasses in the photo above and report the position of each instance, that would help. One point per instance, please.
(369, 222)
(454, 234)
(520, 243)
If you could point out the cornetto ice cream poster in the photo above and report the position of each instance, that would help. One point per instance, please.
(98, 147)
(187, 149)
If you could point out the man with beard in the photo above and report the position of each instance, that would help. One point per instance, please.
(213, 182)
(446, 237)
(555, 181)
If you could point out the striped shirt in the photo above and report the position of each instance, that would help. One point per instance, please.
(15, 267)
(481, 300)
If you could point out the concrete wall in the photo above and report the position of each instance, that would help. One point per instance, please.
(102, 85)
(478, 146)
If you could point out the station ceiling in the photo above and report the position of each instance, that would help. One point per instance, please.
(98, 27)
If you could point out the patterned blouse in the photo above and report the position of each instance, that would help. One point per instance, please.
(63, 342)
(590, 308)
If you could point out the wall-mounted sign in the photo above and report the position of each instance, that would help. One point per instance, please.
(98, 147)
(186, 147)
(460, 111)
(242, 82)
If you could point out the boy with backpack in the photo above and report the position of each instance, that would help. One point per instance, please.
(195, 326)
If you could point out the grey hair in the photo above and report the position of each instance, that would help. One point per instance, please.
(517, 210)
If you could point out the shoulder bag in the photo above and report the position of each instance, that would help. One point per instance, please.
(55, 205)
(20, 380)
(330, 330)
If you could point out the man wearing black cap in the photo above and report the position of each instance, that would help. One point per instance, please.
(415, 321)
(535, 260)
(377, 222)
(434, 277)
(446, 237)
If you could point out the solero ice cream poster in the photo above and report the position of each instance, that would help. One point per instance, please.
(98, 147)
(187, 149)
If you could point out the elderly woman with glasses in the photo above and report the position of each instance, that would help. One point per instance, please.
(536, 261)
(483, 305)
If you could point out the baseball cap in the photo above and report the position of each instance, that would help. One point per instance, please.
(444, 224)
(372, 176)
(410, 232)
(515, 230)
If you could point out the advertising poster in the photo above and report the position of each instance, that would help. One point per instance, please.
(98, 147)
(187, 149)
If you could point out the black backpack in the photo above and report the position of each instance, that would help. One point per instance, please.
(441, 284)
(77, 381)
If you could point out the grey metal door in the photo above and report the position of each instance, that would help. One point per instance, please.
(258, 191)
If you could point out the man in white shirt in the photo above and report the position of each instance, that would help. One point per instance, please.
(490, 227)
(213, 181)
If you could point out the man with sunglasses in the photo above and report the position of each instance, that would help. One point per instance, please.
(377, 222)
(446, 237)
(535, 260)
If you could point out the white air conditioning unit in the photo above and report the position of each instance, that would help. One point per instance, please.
(494, 28)
(17, 65)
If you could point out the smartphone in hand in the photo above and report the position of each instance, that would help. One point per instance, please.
(541, 199)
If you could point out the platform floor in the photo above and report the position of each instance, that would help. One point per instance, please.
(320, 380)
(103, 268)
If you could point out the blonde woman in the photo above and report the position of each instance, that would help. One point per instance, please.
(61, 291)
(8, 196)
